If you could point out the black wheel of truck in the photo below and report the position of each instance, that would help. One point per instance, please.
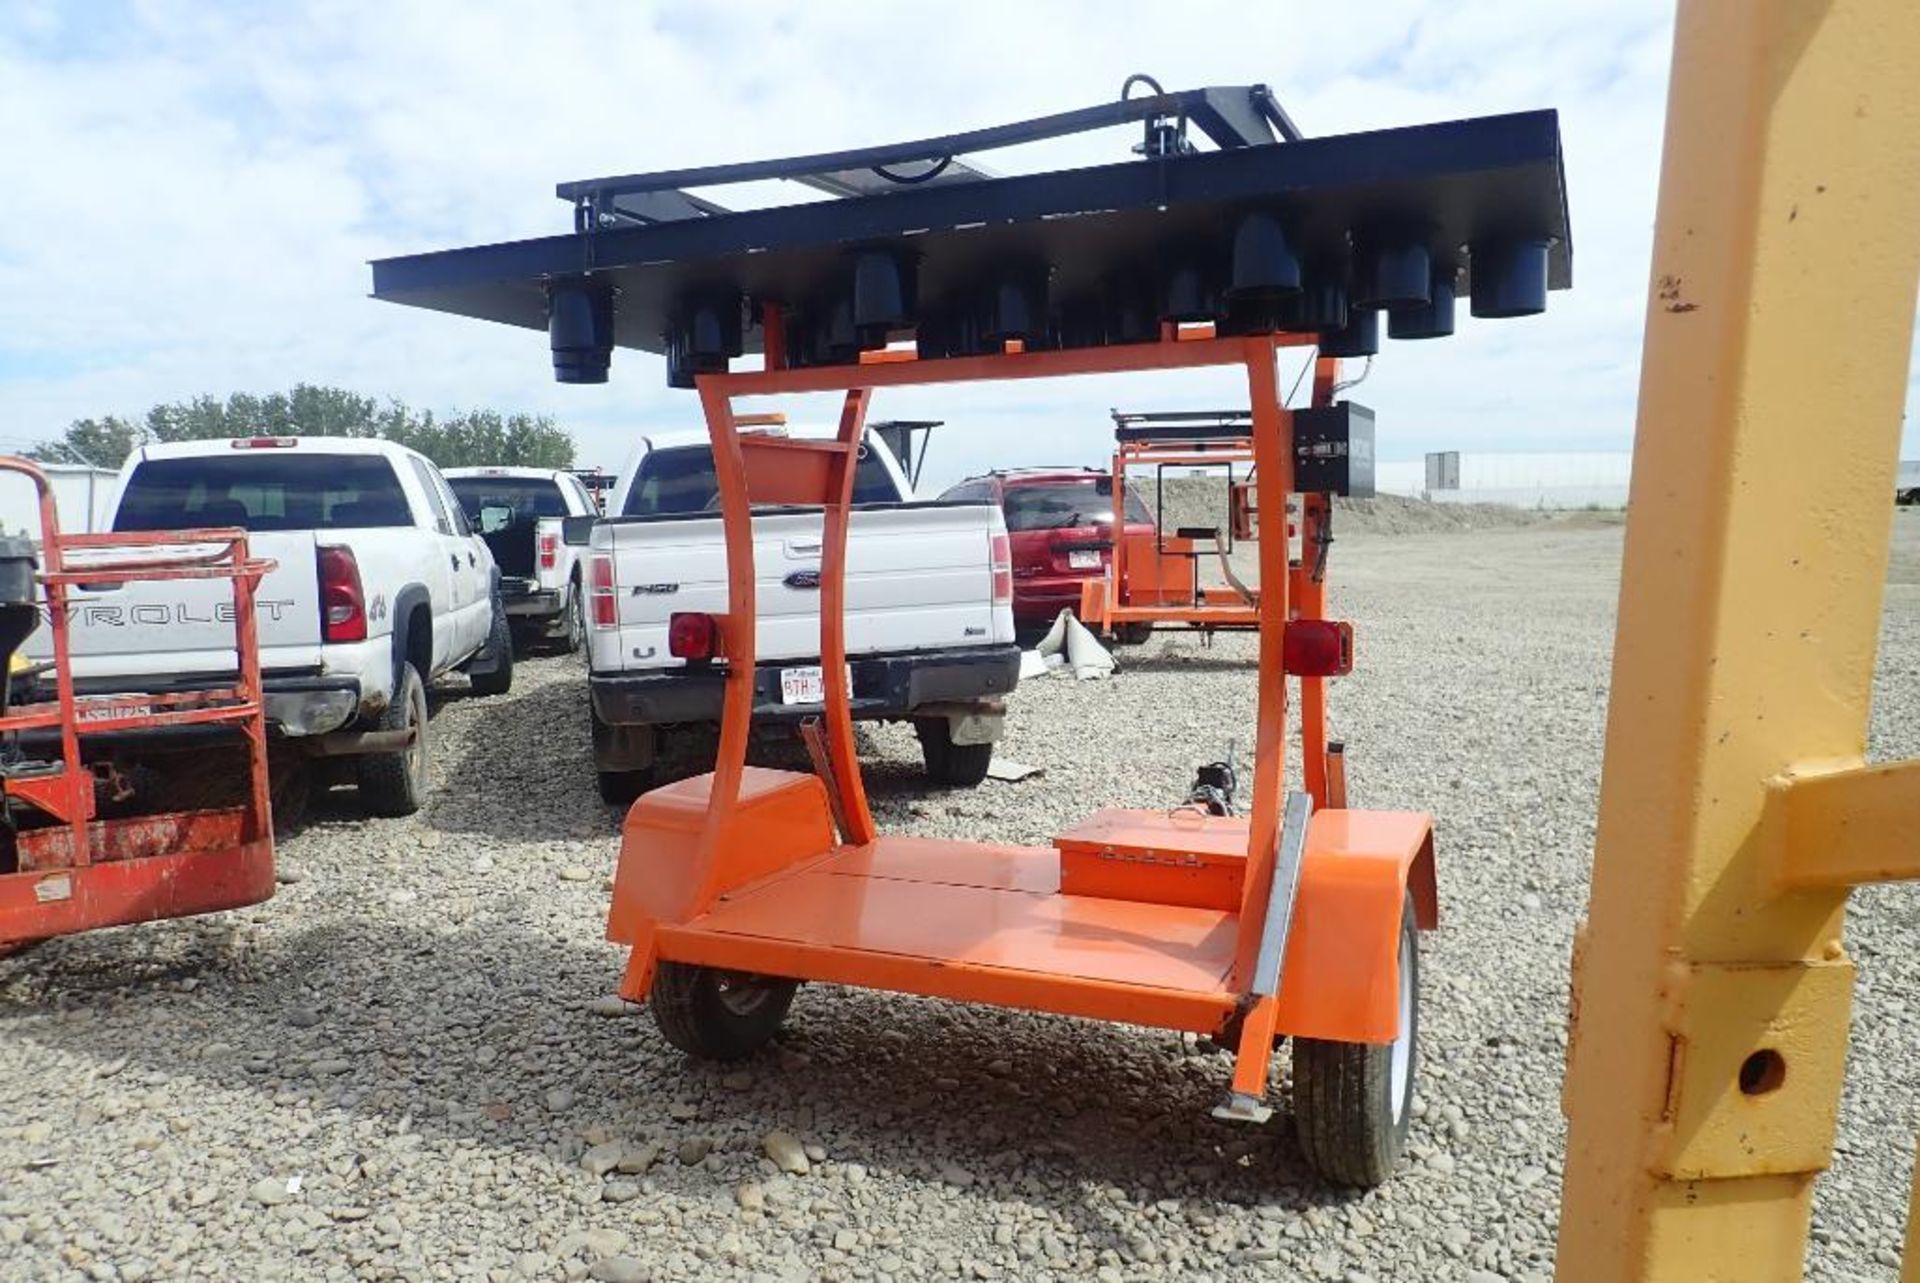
(575, 613)
(396, 783)
(715, 1014)
(290, 785)
(500, 647)
(620, 788)
(1134, 634)
(948, 763)
(1353, 1102)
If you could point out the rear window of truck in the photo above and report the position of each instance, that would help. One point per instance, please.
(259, 492)
(679, 481)
(513, 500)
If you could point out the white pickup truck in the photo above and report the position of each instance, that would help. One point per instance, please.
(929, 612)
(519, 511)
(379, 587)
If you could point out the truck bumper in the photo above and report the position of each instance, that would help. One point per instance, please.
(302, 706)
(527, 600)
(297, 706)
(884, 686)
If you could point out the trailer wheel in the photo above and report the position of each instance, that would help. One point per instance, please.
(948, 763)
(1134, 634)
(1353, 1102)
(396, 783)
(715, 1014)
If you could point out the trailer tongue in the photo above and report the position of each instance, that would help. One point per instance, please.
(1298, 919)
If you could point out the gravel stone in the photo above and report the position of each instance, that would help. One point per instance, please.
(787, 1153)
(270, 1191)
(150, 1077)
(618, 1269)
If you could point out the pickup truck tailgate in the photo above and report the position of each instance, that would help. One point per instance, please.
(184, 627)
(919, 577)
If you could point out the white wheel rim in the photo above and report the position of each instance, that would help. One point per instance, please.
(740, 995)
(417, 751)
(1400, 1070)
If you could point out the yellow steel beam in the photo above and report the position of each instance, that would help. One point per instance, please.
(1709, 1006)
(1847, 827)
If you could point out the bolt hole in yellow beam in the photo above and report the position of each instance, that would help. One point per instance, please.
(1762, 1072)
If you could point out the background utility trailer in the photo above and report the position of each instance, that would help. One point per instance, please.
(1154, 580)
(735, 885)
(64, 866)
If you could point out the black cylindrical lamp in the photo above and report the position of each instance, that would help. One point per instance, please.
(580, 329)
(1509, 277)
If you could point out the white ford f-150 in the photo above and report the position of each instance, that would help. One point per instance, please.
(379, 586)
(929, 612)
(519, 512)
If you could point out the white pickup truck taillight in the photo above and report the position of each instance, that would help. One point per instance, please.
(343, 603)
(549, 551)
(600, 588)
(1002, 568)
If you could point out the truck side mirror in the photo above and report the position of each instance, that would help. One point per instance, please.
(575, 531)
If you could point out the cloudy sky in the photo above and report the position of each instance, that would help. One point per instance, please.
(189, 193)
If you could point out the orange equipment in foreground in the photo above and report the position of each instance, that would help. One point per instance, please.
(1297, 920)
(62, 868)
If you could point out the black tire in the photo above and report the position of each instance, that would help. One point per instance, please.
(290, 786)
(1350, 1114)
(574, 616)
(620, 788)
(394, 784)
(499, 644)
(715, 1014)
(1134, 634)
(950, 764)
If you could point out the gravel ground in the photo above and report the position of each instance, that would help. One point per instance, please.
(407, 1064)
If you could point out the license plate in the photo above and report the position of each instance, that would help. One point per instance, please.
(1083, 559)
(807, 685)
(112, 712)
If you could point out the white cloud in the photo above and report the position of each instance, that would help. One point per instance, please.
(190, 194)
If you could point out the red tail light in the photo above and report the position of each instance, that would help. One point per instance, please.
(1002, 568)
(691, 635)
(343, 604)
(549, 551)
(1317, 648)
(601, 589)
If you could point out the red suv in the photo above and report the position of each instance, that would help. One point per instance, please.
(1061, 522)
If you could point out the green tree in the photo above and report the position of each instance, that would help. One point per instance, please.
(472, 437)
(98, 443)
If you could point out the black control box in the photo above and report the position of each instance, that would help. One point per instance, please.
(1333, 450)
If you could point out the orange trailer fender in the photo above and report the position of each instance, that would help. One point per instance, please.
(669, 874)
(1341, 978)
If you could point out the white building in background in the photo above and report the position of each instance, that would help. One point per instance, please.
(81, 494)
(1530, 479)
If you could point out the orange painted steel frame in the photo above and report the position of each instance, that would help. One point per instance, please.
(89, 873)
(711, 845)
